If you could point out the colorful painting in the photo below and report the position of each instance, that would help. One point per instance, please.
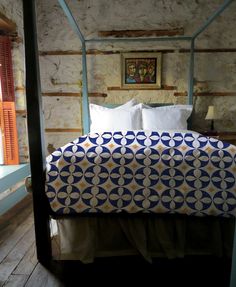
(141, 70)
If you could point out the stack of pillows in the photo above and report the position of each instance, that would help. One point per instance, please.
(134, 116)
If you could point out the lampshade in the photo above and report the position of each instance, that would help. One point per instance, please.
(210, 113)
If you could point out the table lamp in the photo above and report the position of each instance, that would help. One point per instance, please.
(211, 116)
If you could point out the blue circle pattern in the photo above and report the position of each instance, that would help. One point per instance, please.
(94, 152)
(122, 155)
(120, 197)
(143, 154)
(143, 171)
(73, 153)
(71, 176)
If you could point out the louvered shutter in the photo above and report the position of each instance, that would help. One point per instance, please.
(6, 72)
(7, 104)
(10, 139)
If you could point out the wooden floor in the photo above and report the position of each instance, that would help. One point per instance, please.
(19, 265)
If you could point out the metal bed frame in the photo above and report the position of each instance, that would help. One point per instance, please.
(35, 114)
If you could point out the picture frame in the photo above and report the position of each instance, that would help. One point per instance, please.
(141, 70)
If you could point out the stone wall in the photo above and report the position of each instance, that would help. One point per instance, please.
(61, 68)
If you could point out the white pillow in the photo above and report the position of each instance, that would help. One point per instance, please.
(128, 104)
(166, 118)
(117, 119)
(93, 107)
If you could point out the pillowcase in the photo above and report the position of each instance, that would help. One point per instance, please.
(116, 119)
(166, 118)
(93, 107)
(123, 117)
(129, 104)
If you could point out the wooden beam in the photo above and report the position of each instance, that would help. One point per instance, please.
(66, 94)
(220, 50)
(163, 87)
(103, 52)
(206, 94)
(61, 130)
(141, 33)
(6, 25)
(17, 88)
(71, 53)
(21, 112)
(16, 39)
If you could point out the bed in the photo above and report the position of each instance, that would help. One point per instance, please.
(212, 207)
(176, 174)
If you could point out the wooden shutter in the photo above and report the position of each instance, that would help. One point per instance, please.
(10, 139)
(7, 103)
(6, 72)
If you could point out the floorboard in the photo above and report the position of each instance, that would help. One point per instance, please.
(19, 266)
(11, 261)
(28, 262)
(41, 277)
(16, 281)
(13, 236)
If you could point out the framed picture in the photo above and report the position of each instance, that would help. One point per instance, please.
(141, 70)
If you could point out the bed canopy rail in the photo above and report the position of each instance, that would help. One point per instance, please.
(35, 115)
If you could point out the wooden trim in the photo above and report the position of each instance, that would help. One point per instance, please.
(103, 52)
(20, 88)
(215, 94)
(12, 175)
(62, 130)
(6, 24)
(220, 50)
(11, 199)
(97, 52)
(66, 94)
(163, 87)
(61, 94)
(71, 53)
(206, 94)
(19, 211)
(21, 112)
(141, 33)
(16, 39)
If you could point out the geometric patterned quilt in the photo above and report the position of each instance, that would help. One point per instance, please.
(143, 171)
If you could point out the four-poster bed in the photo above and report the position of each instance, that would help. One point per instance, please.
(42, 211)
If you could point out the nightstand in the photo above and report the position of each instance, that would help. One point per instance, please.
(229, 137)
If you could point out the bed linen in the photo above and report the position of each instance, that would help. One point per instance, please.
(143, 171)
(160, 236)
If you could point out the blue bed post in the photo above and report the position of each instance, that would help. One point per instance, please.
(195, 35)
(191, 74)
(85, 102)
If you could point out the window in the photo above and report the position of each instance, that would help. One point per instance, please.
(9, 145)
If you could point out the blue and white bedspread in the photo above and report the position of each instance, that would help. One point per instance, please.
(143, 171)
